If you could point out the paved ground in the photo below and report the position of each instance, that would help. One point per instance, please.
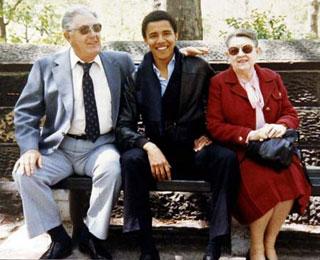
(178, 244)
(294, 243)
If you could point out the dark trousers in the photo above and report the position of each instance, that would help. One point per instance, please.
(214, 163)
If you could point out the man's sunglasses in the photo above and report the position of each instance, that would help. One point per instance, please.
(248, 48)
(85, 29)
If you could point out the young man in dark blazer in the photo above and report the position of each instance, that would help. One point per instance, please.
(169, 92)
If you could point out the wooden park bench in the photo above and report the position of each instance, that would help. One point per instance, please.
(298, 62)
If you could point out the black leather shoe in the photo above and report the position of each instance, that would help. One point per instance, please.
(150, 256)
(96, 250)
(58, 250)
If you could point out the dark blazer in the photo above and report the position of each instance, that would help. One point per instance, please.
(49, 93)
(141, 99)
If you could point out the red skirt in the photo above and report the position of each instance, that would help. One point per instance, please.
(262, 188)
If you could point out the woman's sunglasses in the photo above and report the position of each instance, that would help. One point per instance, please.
(248, 48)
(85, 29)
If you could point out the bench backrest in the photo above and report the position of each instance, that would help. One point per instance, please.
(298, 62)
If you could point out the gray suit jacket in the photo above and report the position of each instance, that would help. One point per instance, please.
(49, 94)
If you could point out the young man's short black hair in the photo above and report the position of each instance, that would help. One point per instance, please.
(156, 16)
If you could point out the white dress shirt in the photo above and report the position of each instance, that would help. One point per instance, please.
(101, 91)
(163, 81)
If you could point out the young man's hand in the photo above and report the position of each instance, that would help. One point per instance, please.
(160, 167)
(201, 142)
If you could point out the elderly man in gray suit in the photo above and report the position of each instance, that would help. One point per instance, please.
(77, 92)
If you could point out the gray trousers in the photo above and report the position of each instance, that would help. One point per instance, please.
(99, 161)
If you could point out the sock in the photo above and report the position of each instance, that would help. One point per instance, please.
(59, 234)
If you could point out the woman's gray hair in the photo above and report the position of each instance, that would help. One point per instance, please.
(68, 16)
(252, 35)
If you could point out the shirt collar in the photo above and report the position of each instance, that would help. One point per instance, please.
(253, 81)
(74, 59)
(170, 64)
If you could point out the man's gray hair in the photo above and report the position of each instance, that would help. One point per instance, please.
(252, 35)
(68, 16)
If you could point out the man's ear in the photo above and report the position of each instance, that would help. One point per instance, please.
(66, 35)
(177, 36)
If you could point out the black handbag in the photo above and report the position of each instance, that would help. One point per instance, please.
(276, 152)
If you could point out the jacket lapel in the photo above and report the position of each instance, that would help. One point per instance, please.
(266, 83)
(62, 75)
(232, 80)
(150, 89)
(112, 70)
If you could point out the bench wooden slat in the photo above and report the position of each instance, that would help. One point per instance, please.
(314, 176)
(84, 183)
(74, 183)
(183, 185)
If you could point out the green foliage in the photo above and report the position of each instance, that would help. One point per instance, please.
(33, 21)
(311, 36)
(267, 27)
(16, 39)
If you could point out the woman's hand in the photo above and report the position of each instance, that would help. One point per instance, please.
(267, 131)
(274, 130)
(257, 135)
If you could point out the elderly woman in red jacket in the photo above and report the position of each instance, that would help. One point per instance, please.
(247, 102)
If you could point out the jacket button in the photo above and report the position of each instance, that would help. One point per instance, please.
(240, 138)
(280, 95)
(268, 108)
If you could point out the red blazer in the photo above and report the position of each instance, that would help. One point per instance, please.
(230, 116)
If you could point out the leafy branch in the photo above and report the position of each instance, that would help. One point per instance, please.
(266, 27)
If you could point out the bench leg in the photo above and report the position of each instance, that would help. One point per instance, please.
(79, 204)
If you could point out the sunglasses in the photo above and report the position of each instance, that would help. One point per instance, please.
(85, 29)
(245, 49)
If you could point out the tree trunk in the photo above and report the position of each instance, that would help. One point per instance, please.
(188, 16)
(314, 11)
(3, 32)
